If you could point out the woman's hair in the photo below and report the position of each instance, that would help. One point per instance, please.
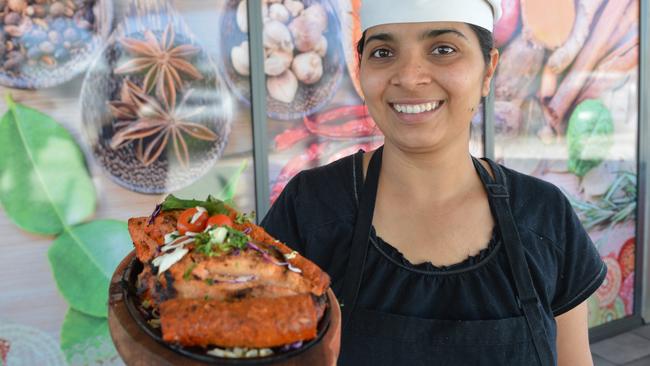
(485, 41)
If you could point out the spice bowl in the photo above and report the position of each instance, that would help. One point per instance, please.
(43, 44)
(155, 113)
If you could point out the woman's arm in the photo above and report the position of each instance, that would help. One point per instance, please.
(573, 337)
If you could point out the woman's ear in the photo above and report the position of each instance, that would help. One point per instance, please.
(489, 72)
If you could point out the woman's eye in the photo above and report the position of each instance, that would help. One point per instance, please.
(381, 53)
(443, 50)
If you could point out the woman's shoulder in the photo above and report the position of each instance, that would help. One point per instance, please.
(325, 192)
(538, 205)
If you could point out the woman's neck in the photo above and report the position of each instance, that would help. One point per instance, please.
(432, 177)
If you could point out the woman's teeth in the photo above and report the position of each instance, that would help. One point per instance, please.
(416, 108)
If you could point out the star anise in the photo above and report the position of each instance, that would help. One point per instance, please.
(154, 125)
(163, 62)
(124, 109)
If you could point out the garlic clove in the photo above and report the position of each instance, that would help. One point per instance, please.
(283, 88)
(240, 59)
(294, 7)
(277, 63)
(308, 67)
(242, 16)
(316, 17)
(279, 12)
(305, 35)
(277, 36)
(321, 46)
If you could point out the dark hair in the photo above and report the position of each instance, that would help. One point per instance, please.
(485, 41)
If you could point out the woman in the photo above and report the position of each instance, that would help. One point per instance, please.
(437, 257)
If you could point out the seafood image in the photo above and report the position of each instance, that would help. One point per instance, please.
(218, 280)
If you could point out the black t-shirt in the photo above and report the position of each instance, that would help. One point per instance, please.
(316, 212)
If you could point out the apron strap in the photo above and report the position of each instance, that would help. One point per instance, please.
(359, 248)
(527, 298)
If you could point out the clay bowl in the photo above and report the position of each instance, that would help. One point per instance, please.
(139, 344)
(309, 98)
(38, 75)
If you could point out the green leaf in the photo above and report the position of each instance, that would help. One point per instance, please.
(213, 205)
(589, 136)
(83, 260)
(85, 340)
(44, 182)
(230, 188)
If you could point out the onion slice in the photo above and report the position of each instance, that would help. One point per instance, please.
(269, 258)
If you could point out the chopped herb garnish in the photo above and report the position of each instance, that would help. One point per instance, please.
(243, 218)
(188, 272)
(209, 281)
(234, 240)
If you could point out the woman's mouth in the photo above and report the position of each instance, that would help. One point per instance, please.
(417, 108)
(416, 112)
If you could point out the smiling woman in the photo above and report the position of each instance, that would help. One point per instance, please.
(423, 82)
(438, 257)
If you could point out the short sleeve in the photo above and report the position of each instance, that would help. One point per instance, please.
(582, 270)
(281, 221)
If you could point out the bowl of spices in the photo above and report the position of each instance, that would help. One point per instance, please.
(45, 43)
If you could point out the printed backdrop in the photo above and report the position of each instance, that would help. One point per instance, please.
(77, 160)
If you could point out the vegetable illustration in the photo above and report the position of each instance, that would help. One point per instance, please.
(589, 136)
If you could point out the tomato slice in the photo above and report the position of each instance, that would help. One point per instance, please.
(219, 220)
(185, 224)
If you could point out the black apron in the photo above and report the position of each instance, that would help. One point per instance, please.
(377, 338)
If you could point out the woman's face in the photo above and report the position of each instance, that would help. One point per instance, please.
(423, 82)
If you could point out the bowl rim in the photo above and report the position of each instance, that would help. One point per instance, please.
(129, 292)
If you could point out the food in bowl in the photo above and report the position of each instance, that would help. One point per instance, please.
(218, 280)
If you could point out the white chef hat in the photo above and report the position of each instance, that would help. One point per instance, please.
(483, 13)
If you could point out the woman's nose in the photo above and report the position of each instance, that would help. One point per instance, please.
(412, 72)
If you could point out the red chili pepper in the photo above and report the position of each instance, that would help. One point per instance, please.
(350, 111)
(290, 137)
(295, 165)
(360, 127)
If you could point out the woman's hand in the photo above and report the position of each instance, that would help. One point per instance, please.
(573, 337)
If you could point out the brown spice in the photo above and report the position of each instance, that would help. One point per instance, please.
(49, 60)
(17, 5)
(57, 9)
(13, 30)
(12, 18)
(163, 62)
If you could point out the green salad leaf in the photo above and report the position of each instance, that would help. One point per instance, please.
(213, 205)
(44, 183)
(83, 260)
